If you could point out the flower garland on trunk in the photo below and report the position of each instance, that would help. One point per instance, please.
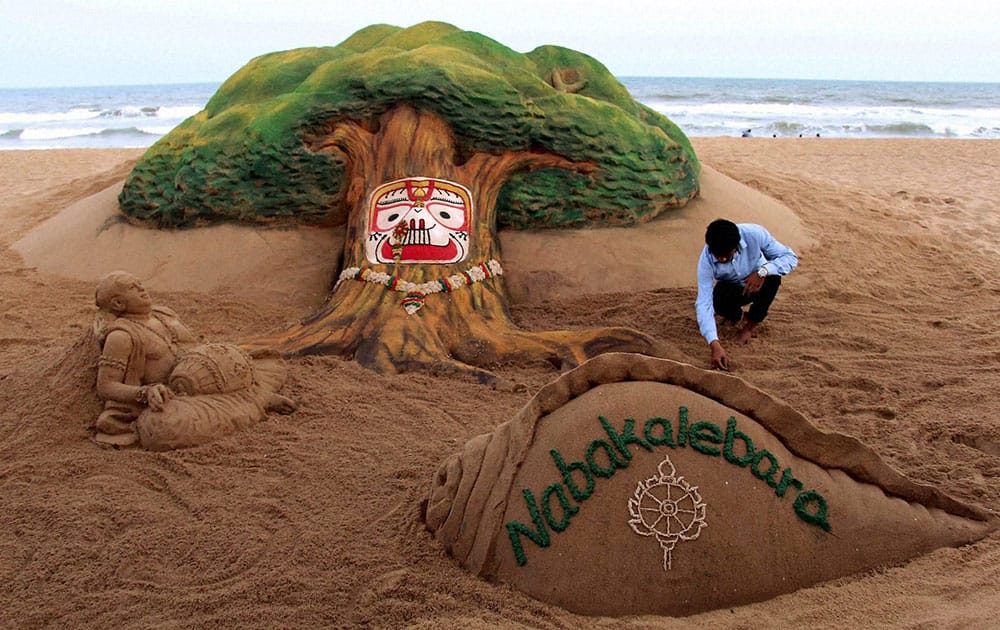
(415, 293)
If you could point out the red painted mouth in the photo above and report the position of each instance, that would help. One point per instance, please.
(423, 253)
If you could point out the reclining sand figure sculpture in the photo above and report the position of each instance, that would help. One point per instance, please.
(162, 388)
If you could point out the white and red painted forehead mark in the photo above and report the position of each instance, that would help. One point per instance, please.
(418, 220)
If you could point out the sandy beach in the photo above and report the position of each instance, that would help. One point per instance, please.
(886, 332)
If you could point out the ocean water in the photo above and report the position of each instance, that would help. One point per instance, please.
(96, 117)
(842, 109)
(136, 116)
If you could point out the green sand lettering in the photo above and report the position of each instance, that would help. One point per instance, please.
(623, 439)
(810, 506)
(682, 426)
(732, 434)
(813, 518)
(613, 460)
(567, 471)
(768, 476)
(666, 439)
(786, 480)
(567, 510)
(705, 432)
(539, 535)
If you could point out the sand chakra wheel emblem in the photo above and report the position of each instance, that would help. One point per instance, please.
(667, 507)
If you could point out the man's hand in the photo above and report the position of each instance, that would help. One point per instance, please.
(752, 284)
(719, 358)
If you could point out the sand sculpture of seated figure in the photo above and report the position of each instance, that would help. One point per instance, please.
(152, 370)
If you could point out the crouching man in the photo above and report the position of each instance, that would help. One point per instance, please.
(741, 264)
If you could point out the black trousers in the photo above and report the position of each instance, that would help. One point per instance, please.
(729, 300)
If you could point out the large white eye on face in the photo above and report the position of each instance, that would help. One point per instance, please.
(386, 217)
(448, 210)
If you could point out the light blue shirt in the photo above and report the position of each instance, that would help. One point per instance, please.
(757, 249)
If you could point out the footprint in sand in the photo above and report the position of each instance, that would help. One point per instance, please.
(808, 358)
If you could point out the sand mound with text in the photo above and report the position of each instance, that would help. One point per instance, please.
(634, 485)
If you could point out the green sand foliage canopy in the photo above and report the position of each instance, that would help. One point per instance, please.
(243, 157)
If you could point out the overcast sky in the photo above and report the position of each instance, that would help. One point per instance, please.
(124, 42)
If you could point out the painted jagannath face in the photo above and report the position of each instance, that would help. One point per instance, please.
(419, 220)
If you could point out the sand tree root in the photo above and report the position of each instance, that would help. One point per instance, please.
(405, 343)
(562, 349)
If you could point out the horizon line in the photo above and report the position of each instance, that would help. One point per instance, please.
(617, 76)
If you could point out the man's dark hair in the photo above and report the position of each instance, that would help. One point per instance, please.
(722, 237)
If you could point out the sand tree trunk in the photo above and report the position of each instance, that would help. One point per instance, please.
(464, 329)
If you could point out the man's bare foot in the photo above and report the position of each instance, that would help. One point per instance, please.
(747, 332)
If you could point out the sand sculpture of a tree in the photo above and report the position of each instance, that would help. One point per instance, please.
(422, 142)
